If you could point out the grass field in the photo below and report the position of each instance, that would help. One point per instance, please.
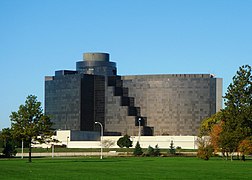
(124, 168)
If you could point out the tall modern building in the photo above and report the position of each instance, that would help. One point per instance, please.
(167, 104)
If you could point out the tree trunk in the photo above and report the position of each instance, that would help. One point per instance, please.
(226, 155)
(30, 149)
(243, 157)
(238, 156)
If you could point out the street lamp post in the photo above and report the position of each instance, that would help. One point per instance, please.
(139, 130)
(52, 150)
(22, 149)
(101, 135)
(67, 140)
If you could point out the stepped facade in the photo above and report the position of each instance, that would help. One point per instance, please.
(166, 104)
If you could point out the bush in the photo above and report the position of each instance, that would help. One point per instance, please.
(178, 149)
(8, 143)
(138, 150)
(172, 149)
(124, 141)
(205, 152)
(152, 151)
(205, 149)
(245, 147)
(156, 151)
(107, 143)
(9, 150)
(149, 151)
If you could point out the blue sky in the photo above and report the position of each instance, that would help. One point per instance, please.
(38, 37)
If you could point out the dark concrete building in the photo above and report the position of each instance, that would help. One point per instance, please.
(169, 104)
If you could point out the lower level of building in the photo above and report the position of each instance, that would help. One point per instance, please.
(68, 139)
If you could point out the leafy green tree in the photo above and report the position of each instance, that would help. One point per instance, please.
(1, 141)
(229, 127)
(124, 141)
(8, 143)
(138, 150)
(229, 137)
(208, 123)
(30, 124)
(237, 119)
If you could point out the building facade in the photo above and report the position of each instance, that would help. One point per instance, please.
(167, 104)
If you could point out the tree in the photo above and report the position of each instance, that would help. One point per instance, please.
(245, 147)
(172, 149)
(30, 124)
(229, 127)
(138, 150)
(124, 141)
(237, 119)
(208, 123)
(212, 127)
(8, 143)
(229, 137)
(215, 136)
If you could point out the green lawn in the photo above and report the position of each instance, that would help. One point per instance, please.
(125, 168)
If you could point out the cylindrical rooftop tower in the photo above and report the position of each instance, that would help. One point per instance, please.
(96, 64)
(96, 57)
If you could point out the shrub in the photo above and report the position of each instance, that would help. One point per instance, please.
(205, 152)
(8, 143)
(178, 149)
(172, 149)
(150, 151)
(245, 147)
(205, 149)
(138, 150)
(107, 143)
(156, 151)
(124, 141)
(9, 150)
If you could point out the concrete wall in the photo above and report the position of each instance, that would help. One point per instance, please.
(163, 142)
(185, 142)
